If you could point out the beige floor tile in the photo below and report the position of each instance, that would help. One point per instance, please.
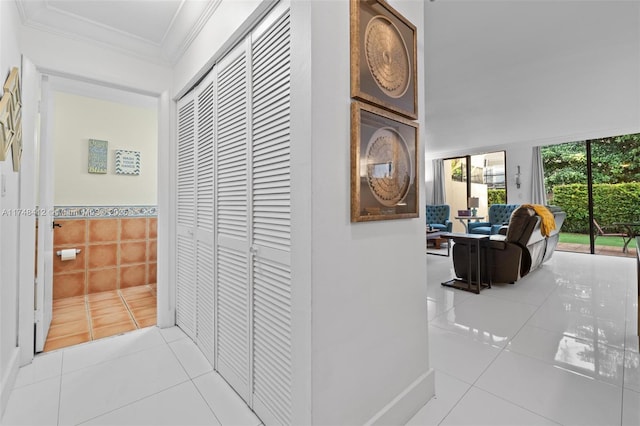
(112, 330)
(65, 341)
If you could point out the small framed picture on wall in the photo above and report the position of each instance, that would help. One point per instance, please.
(127, 162)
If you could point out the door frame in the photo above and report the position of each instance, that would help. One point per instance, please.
(27, 240)
(166, 117)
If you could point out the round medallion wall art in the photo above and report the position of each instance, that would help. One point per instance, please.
(384, 137)
(387, 56)
(389, 170)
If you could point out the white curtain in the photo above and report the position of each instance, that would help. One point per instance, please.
(438, 182)
(538, 192)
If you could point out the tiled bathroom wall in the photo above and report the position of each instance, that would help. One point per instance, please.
(116, 253)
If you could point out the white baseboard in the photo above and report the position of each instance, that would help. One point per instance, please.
(404, 406)
(9, 379)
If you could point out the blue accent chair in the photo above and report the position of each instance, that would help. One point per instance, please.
(499, 215)
(438, 217)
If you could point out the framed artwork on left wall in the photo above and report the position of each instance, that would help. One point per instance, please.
(6, 130)
(384, 165)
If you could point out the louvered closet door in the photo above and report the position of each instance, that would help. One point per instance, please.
(271, 222)
(232, 221)
(186, 197)
(204, 246)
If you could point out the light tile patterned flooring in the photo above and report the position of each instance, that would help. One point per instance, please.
(150, 376)
(97, 315)
(559, 346)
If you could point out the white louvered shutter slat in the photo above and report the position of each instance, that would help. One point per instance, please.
(205, 303)
(271, 223)
(205, 158)
(186, 167)
(232, 228)
(185, 289)
(232, 315)
(204, 249)
(186, 193)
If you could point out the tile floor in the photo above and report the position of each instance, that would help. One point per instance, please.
(149, 376)
(557, 347)
(83, 318)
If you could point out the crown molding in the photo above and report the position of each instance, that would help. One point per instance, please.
(188, 21)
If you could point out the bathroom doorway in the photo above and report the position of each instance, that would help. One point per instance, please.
(104, 248)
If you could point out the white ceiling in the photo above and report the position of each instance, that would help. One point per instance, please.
(154, 30)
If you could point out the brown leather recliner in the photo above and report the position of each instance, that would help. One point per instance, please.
(522, 249)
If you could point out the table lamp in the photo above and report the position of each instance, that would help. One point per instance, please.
(474, 203)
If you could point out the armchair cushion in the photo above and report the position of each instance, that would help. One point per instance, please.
(437, 216)
(499, 215)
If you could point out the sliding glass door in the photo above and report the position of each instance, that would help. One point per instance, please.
(481, 177)
(597, 183)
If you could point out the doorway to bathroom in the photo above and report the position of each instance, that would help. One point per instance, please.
(103, 151)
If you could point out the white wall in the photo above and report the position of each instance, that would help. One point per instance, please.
(76, 119)
(9, 224)
(369, 316)
(512, 75)
(58, 55)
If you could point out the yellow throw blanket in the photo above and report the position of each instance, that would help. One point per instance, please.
(548, 223)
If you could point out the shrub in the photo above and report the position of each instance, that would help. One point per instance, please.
(497, 196)
(611, 203)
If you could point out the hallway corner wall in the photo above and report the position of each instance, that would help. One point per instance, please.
(369, 333)
(9, 221)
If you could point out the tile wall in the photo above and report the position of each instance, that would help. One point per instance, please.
(116, 253)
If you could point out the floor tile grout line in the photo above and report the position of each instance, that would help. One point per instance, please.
(203, 397)
(89, 321)
(516, 404)
(114, 358)
(60, 390)
(126, 306)
(178, 358)
(133, 402)
(473, 386)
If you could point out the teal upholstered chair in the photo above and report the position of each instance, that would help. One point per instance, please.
(499, 215)
(438, 217)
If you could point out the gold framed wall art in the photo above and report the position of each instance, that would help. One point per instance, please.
(6, 128)
(384, 181)
(12, 86)
(11, 119)
(16, 147)
(383, 57)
